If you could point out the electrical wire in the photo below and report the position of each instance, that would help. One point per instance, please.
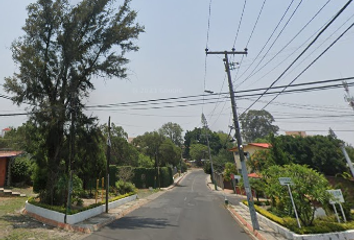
(275, 40)
(274, 30)
(239, 24)
(315, 60)
(303, 52)
(283, 48)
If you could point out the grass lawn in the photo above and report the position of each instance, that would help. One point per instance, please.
(14, 225)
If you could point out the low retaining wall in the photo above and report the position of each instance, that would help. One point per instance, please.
(78, 217)
(346, 235)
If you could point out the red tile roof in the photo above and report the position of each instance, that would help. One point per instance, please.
(4, 154)
(254, 175)
(262, 145)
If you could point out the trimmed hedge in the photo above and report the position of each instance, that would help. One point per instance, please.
(325, 225)
(62, 209)
(143, 177)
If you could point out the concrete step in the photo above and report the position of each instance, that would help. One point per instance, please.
(17, 194)
(23, 195)
(7, 191)
(1, 189)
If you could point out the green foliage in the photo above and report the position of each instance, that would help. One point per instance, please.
(230, 168)
(145, 161)
(64, 46)
(207, 167)
(122, 152)
(21, 170)
(143, 177)
(173, 131)
(260, 159)
(124, 187)
(198, 136)
(257, 124)
(321, 153)
(198, 152)
(319, 225)
(221, 159)
(309, 187)
(62, 209)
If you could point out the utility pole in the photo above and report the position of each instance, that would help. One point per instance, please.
(238, 135)
(108, 161)
(205, 125)
(342, 147)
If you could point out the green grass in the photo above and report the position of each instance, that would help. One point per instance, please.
(11, 205)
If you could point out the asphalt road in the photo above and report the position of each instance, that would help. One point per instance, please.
(188, 212)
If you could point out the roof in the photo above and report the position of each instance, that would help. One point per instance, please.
(7, 129)
(254, 175)
(260, 145)
(4, 154)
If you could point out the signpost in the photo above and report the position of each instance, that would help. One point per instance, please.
(286, 181)
(337, 197)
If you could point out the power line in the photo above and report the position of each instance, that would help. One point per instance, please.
(303, 52)
(239, 24)
(259, 53)
(275, 40)
(329, 47)
(282, 49)
(175, 99)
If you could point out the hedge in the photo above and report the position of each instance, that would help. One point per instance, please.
(324, 225)
(62, 209)
(143, 177)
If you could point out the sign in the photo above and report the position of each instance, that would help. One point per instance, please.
(285, 181)
(336, 196)
(238, 177)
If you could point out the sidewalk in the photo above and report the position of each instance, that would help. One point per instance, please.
(242, 216)
(93, 224)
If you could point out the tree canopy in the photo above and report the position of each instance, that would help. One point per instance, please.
(64, 46)
(172, 131)
(257, 124)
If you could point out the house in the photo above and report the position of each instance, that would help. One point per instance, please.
(4, 131)
(6, 158)
(249, 150)
(296, 133)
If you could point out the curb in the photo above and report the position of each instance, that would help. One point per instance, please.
(93, 227)
(248, 227)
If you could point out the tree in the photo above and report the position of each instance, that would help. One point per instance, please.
(172, 131)
(169, 153)
(64, 46)
(198, 152)
(257, 124)
(309, 187)
(122, 152)
(198, 136)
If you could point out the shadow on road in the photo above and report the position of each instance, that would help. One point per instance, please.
(139, 222)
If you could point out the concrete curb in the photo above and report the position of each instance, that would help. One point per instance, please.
(248, 227)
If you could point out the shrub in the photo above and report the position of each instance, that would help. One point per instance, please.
(125, 187)
(21, 170)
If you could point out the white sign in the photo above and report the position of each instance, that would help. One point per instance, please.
(337, 196)
(238, 177)
(285, 181)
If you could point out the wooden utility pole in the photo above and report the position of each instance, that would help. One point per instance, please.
(238, 136)
(108, 161)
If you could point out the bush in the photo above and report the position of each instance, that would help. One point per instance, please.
(125, 187)
(207, 167)
(21, 170)
(143, 177)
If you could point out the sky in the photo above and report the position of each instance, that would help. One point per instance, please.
(171, 62)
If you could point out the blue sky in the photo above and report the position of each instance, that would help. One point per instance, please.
(171, 62)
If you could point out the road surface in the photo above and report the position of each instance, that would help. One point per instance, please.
(188, 212)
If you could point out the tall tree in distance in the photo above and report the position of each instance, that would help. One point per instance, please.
(64, 46)
(257, 124)
(172, 131)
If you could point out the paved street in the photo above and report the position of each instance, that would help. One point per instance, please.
(189, 211)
